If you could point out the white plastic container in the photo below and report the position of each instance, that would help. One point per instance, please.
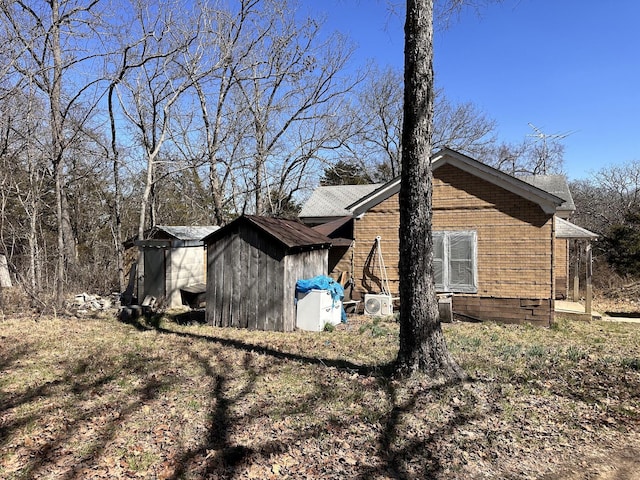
(315, 309)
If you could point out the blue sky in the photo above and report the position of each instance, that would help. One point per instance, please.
(562, 65)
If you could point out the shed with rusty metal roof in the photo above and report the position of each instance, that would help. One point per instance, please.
(253, 264)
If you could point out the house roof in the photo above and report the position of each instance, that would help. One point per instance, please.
(551, 192)
(546, 200)
(332, 201)
(557, 185)
(566, 229)
(291, 234)
(330, 228)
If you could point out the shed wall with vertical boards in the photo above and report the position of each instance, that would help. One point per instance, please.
(253, 265)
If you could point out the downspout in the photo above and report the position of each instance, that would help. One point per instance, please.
(352, 248)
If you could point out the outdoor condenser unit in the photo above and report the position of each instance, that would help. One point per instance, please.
(378, 304)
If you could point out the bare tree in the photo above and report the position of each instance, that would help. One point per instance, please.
(422, 344)
(377, 115)
(462, 127)
(228, 37)
(508, 157)
(378, 119)
(608, 203)
(50, 55)
(127, 56)
(150, 85)
(24, 170)
(292, 88)
(29, 191)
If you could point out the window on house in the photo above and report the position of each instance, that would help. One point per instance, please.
(455, 261)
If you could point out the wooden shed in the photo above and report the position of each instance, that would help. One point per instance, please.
(253, 264)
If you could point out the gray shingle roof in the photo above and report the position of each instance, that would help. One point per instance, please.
(565, 229)
(554, 184)
(185, 232)
(332, 201)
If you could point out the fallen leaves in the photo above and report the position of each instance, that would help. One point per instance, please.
(98, 399)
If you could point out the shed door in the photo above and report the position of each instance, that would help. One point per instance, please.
(154, 272)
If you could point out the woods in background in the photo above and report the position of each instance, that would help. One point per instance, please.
(119, 115)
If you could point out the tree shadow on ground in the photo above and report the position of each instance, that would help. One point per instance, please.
(225, 457)
(63, 400)
(623, 314)
(399, 457)
(367, 370)
(191, 317)
(230, 370)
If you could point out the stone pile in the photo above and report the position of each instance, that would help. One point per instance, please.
(84, 304)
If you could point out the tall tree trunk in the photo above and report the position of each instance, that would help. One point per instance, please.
(259, 159)
(117, 203)
(70, 239)
(57, 147)
(212, 133)
(422, 344)
(33, 248)
(146, 196)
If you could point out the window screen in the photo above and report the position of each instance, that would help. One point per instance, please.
(455, 261)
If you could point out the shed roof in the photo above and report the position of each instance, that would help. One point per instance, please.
(291, 234)
(183, 232)
(172, 235)
(330, 228)
(566, 229)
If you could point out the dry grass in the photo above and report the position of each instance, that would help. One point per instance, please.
(97, 398)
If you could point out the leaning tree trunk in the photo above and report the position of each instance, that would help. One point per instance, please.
(422, 344)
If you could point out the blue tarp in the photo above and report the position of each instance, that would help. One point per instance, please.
(322, 282)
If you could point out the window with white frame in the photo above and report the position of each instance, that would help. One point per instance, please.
(455, 261)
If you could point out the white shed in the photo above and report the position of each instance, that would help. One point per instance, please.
(173, 257)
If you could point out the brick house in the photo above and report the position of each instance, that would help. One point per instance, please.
(496, 248)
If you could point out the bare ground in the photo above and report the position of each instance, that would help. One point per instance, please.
(97, 398)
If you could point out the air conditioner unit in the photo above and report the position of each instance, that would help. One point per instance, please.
(378, 304)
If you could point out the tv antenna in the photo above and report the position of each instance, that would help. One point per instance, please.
(543, 137)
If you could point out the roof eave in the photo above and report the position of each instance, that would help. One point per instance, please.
(576, 232)
(548, 202)
(365, 203)
(320, 220)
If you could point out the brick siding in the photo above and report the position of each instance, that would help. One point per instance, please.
(515, 246)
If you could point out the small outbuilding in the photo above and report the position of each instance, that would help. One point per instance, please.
(253, 264)
(173, 257)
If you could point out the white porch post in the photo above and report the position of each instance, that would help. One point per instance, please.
(576, 272)
(588, 296)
